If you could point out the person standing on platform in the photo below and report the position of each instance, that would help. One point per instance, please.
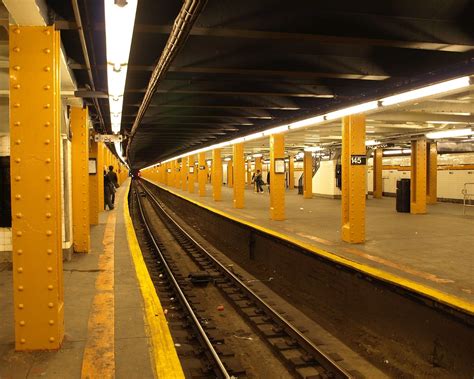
(113, 182)
(268, 180)
(107, 192)
(259, 181)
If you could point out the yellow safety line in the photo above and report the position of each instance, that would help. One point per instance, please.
(162, 349)
(450, 300)
(99, 354)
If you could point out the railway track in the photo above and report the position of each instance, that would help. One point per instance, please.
(299, 354)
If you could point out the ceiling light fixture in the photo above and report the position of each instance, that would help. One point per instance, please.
(450, 133)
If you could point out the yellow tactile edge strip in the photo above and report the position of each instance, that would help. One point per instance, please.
(447, 299)
(162, 350)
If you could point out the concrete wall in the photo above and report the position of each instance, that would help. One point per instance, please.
(324, 182)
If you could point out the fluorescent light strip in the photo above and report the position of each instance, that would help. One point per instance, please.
(431, 90)
(450, 133)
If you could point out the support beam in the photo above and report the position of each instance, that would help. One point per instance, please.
(80, 180)
(230, 174)
(418, 177)
(308, 175)
(177, 174)
(291, 172)
(248, 168)
(184, 173)
(96, 182)
(191, 174)
(202, 174)
(239, 174)
(277, 181)
(377, 173)
(216, 175)
(432, 171)
(35, 132)
(353, 179)
(258, 164)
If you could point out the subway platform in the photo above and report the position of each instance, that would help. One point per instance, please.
(407, 250)
(109, 328)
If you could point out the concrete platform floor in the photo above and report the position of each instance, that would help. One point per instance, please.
(130, 345)
(435, 249)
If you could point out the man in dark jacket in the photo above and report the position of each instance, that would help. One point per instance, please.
(110, 184)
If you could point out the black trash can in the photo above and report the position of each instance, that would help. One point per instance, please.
(403, 195)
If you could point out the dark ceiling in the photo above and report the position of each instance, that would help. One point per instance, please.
(250, 64)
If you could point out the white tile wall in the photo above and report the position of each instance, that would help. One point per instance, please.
(4, 145)
(5, 239)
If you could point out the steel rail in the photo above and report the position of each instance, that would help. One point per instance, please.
(327, 362)
(182, 296)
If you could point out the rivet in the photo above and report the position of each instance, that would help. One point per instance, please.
(18, 196)
(51, 339)
(18, 160)
(51, 322)
(48, 160)
(46, 124)
(19, 251)
(17, 123)
(50, 269)
(48, 215)
(16, 86)
(20, 269)
(47, 68)
(16, 68)
(46, 51)
(22, 340)
(46, 87)
(46, 106)
(47, 142)
(49, 251)
(47, 197)
(16, 105)
(21, 306)
(16, 49)
(47, 178)
(20, 288)
(49, 232)
(50, 287)
(22, 323)
(50, 305)
(17, 178)
(18, 141)
(19, 233)
(47, 32)
(16, 30)
(19, 215)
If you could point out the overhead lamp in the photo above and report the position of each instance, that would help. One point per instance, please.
(313, 148)
(431, 90)
(227, 159)
(360, 108)
(254, 136)
(450, 133)
(392, 152)
(306, 122)
(277, 130)
(446, 122)
(371, 142)
(258, 155)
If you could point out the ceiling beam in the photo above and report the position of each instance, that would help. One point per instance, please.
(210, 106)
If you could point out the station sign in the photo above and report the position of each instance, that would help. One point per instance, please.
(358, 160)
(108, 138)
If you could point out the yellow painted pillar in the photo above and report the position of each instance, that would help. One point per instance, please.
(308, 175)
(230, 174)
(258, 164)
(80, 180)
(277, 180)
(202, 174)
(432, 177)
(418, 177)
(35, 132)
(377, 173)
(184, 173)
(177, 175)
(239, 174)
(96, 182)
(216, 176)
(191, 174)
(353, 178)
(291, 172)
(248, 170)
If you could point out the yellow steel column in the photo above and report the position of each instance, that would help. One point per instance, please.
(230, 174)
(96, 182)
(177, 175)
(249, 174)
(377, 173)
(418, 177)
(239, 174)
(191, 174)
(80, 180)
(184, 173)
(277, 180)
(258, 164)
(172, 173)
(353, 178)
(216, 176)
(35, 132)
(291, 172)
(432, 178)
(202, 174)
(308, 175)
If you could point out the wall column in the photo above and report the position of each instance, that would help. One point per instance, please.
(258, 164)
(230, 174)
(35, 133)
(308, 175)
(418, 177)
(432, 170)
(96, 182)
(277, 181)
(291, 172)
(202, 174)
(216, 175)
(248, 173)
(377, 173)
(353, 178)
(239, 174)
(80, 180)
(191, 174)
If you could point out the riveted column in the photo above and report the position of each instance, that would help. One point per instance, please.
(418, 177)
(80, 180)
(248, 171)
(258, 164)
(230, 174)
(377, 173)
(308, 175)
(291, 172)
(35, 108)
(432, 170)
(202, 174)
(216, 176)
(191, 174)
(184, 173)
(96, 182)
(353, 178)
(178, 175)
(277, 180)
(239, 174)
